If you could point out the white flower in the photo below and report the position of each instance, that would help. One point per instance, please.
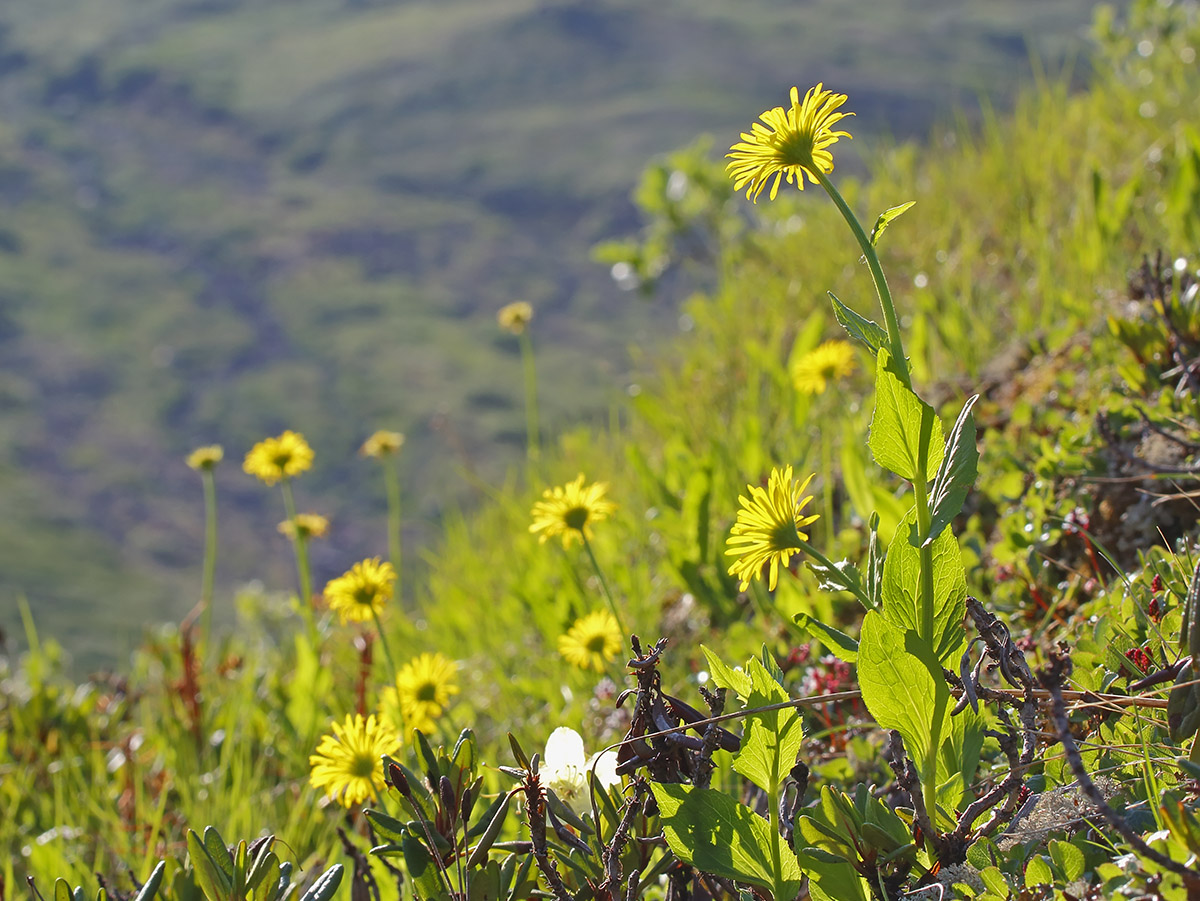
(564, 768)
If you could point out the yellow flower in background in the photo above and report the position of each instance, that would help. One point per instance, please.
(306, 525)
(768, 527)
(206, 457)
(360, 594)
(348, 764)
(383, 443)
(813, 372)
(515, 317)
(592, 642)
(423, 689)
(569, 510)
(273, 459)
(788, 143)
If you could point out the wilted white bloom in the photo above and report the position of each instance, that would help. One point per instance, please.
(565, 768)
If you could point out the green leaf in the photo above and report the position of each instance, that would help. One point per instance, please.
(862, 330)
(1038, 872)
(902, 424)
(770, 739)
(885, 219)
(213, 882)
(150, 887)
(62, 890)
(900, 689)
(902, 590)
(832, 880)
(957, 473)
(726, 676)
(995, 882)
(841, 645)
(325, 886)
(1068, 859)
(480, 851)
(842, 576)
(714, 833)
(874, 582)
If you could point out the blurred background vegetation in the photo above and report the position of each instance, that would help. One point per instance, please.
(224, 218)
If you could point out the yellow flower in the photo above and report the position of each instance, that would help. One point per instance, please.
(788, 143)
(831, 361)
(515, 317)
(423, 689)
(768, 527)
(273, 459)
(207, 457)
(306, 525)
(382, 444)
(569, 510)
(348, 764)
(359, 594)
(592, 642)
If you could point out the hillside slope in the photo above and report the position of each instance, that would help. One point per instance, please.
(228, 218)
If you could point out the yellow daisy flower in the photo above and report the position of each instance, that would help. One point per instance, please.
(768, 527)
(592, 642)
(515, 317)
(788, 143)
(569, 510)
(348, 764)
(383, 443)
(423, 689)
(359, 594)
(813, 372)
(273, 459)
(306, 525)
(206, 457)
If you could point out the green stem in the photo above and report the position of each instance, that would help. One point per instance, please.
(776, 838)
(881, 286)
(612, 604)
(924, 519)
(387, 653)
(395, 551)
(300, 546)
(533, 441)
(210, 550)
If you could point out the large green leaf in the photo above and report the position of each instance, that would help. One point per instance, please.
(771, 739)
(711, 831)
(724, 676)
(902, 589)
(902, 424)
(900, 689)
(838, 643)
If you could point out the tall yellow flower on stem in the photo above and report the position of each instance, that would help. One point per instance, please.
(279, 460)
(592, 642)
(788, 143)
(284, 457)
(768, 527)
(831, 361)
(568, 511)
(360, 594)
(422, 689)
(348, 764)
(204, 460)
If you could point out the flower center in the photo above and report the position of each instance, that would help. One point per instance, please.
(795, 149)
(576, 518)
(596, 644)
(282, 460)
(362, 766)
(426, 691)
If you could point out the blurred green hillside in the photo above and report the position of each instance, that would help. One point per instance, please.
(224, 218)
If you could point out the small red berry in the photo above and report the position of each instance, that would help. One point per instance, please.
(1156, 584)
